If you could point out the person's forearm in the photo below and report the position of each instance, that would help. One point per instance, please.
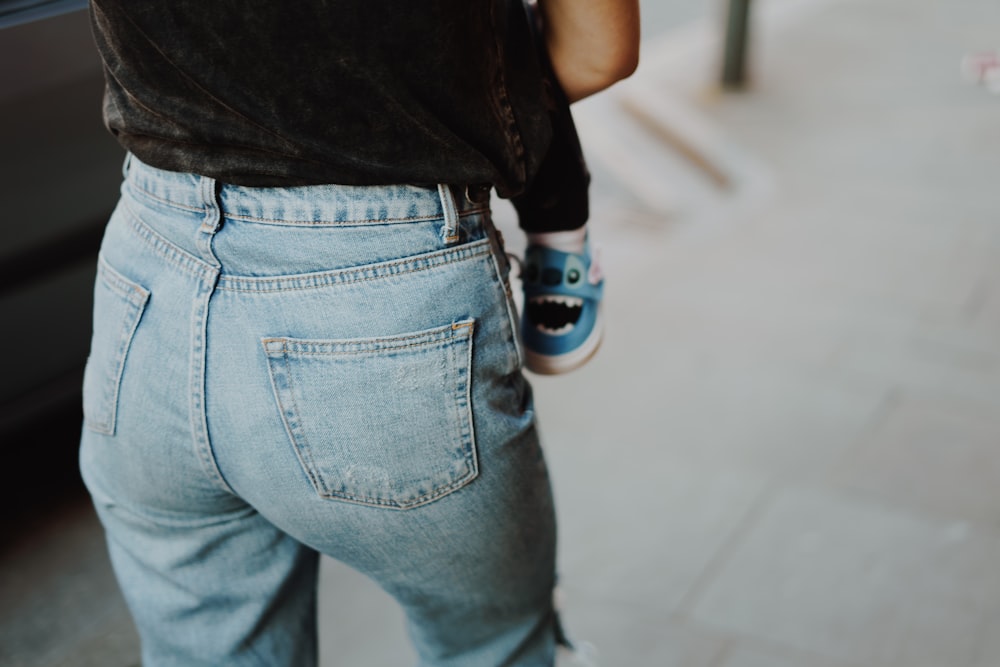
(592, 43)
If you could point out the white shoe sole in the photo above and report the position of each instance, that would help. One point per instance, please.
(543, 364)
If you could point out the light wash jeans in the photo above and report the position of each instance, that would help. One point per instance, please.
(279, 373)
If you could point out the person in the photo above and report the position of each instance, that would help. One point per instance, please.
(304, 338)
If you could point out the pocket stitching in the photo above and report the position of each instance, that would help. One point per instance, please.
(279, 351)
(135, 297)
(354, 275)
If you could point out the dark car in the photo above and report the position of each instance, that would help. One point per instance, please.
(59, 177)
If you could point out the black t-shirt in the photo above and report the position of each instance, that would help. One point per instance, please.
(360, 92)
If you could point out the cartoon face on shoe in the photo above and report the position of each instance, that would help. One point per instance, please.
(554, 314)
(561, 327)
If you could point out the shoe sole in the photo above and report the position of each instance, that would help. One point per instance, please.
(544, 364)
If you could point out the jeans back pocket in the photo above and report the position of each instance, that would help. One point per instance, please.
(118, 306)
(379, 421)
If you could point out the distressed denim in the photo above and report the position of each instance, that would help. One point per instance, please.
(281, 373)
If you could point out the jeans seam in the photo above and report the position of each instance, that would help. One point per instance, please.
(356, 275)
(503, 285)
(437, 340)
(121, 286)
(176, 256)
(463, 212)
(139, 190)
(280, 222)
(198, 390)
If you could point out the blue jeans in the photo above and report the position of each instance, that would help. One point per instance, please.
(279, 373)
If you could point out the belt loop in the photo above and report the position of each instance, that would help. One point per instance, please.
(478, 194)
(213, 214)
(450, 209)
(212, 221)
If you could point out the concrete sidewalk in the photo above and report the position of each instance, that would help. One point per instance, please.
(787, 452)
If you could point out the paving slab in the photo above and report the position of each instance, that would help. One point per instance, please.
(743, 655)
(934, 454)
(360, 624)
(632, 634)
(644, 532)
(860, 581)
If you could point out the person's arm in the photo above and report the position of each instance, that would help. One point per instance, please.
(592, 43)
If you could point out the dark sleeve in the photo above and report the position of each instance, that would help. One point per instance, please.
(557, 198)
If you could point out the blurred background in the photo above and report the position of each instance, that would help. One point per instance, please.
(786, 453)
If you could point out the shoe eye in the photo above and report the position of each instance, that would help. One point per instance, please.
(575, 271)
(551, 276)
(530, 273)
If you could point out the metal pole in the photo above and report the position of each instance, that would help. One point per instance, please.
(734, 61)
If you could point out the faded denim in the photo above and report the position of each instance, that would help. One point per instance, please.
(279, 373)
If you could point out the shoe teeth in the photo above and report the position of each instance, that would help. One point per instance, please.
(568, 301)
(553, 315)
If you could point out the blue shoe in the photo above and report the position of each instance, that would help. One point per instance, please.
(561, 325)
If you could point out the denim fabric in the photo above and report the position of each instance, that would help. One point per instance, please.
(279, 373)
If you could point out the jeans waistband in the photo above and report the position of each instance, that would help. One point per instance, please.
(310, 205)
